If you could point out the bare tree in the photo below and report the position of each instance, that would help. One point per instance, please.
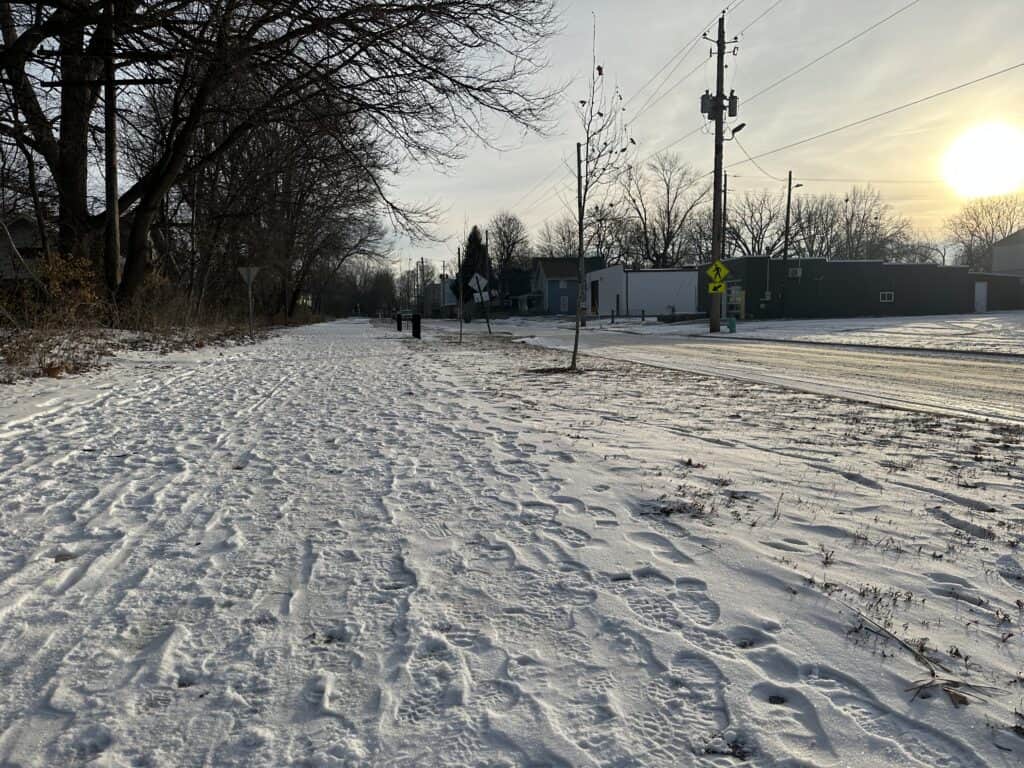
(558, 239)
(420, 79)
(510, 244)
(698, 236)
(816, 227)
(870, 228)
(756, 223)
(982, 223)
(857, 226)
(663, 196)
(600, 158)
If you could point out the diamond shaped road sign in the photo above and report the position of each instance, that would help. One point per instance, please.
(718, 272)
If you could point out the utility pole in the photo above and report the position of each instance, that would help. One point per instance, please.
(487, 299)
(112, 240)
(715, 107)
(785, 238)
(725, 211)
(458, 279)
(789, 207)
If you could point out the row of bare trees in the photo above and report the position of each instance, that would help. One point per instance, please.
(263, 133)
(658, 216)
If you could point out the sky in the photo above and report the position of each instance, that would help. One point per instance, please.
(931, 46)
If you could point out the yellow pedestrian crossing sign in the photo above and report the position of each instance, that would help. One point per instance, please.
(718, 272)
(714, 288)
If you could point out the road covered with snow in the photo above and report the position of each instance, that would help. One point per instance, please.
(342, 547)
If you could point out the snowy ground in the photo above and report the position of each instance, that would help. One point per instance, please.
(993, 333)
(930, 381)
(339, 547)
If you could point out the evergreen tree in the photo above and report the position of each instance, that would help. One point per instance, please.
(474, 261)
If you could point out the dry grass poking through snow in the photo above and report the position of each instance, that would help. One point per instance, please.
(902, 531)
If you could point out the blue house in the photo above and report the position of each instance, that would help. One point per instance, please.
(556, 284)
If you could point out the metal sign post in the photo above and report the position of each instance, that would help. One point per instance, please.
(716, 273)
(479, 283)
(249, 275)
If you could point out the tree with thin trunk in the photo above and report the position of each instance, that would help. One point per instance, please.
(600, 159)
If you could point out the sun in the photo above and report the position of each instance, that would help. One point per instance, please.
(987, 160)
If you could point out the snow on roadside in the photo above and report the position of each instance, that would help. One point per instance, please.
(999, 333)
(993, 333)
(340, 547)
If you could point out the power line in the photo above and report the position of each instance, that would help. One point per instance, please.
(555, 189)
(762, 170)
(653, 99)
(831, 51)
(771, 8)
(886, 113)
(675, 85)
(683, 51)
(538, 185)
(681, 54)
(844, 180)
(821, 180)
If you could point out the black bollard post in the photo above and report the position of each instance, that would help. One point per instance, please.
(398, 321)
(643, 315)
(613, 317)
(416, 327)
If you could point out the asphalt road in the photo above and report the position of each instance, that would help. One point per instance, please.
(961, 384)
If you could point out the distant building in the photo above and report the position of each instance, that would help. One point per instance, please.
(516, 286)
(632, 292)
(556, 283)
(1008, 255)
(759, 287)
(441, 298)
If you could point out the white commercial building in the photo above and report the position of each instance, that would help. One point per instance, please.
(631, 292)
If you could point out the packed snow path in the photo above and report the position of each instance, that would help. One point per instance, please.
(342, 548)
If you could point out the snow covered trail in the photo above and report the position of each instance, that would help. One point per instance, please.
(343, 548)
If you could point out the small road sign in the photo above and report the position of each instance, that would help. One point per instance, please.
(248, 274)
(715, 288)
(718, 272)
(482, 296)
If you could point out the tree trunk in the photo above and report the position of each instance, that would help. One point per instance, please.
(72, 171)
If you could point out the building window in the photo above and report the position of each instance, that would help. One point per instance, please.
(561, 285)
(565, 303)
(887, 297)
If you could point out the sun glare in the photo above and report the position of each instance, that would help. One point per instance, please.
(986, 160)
